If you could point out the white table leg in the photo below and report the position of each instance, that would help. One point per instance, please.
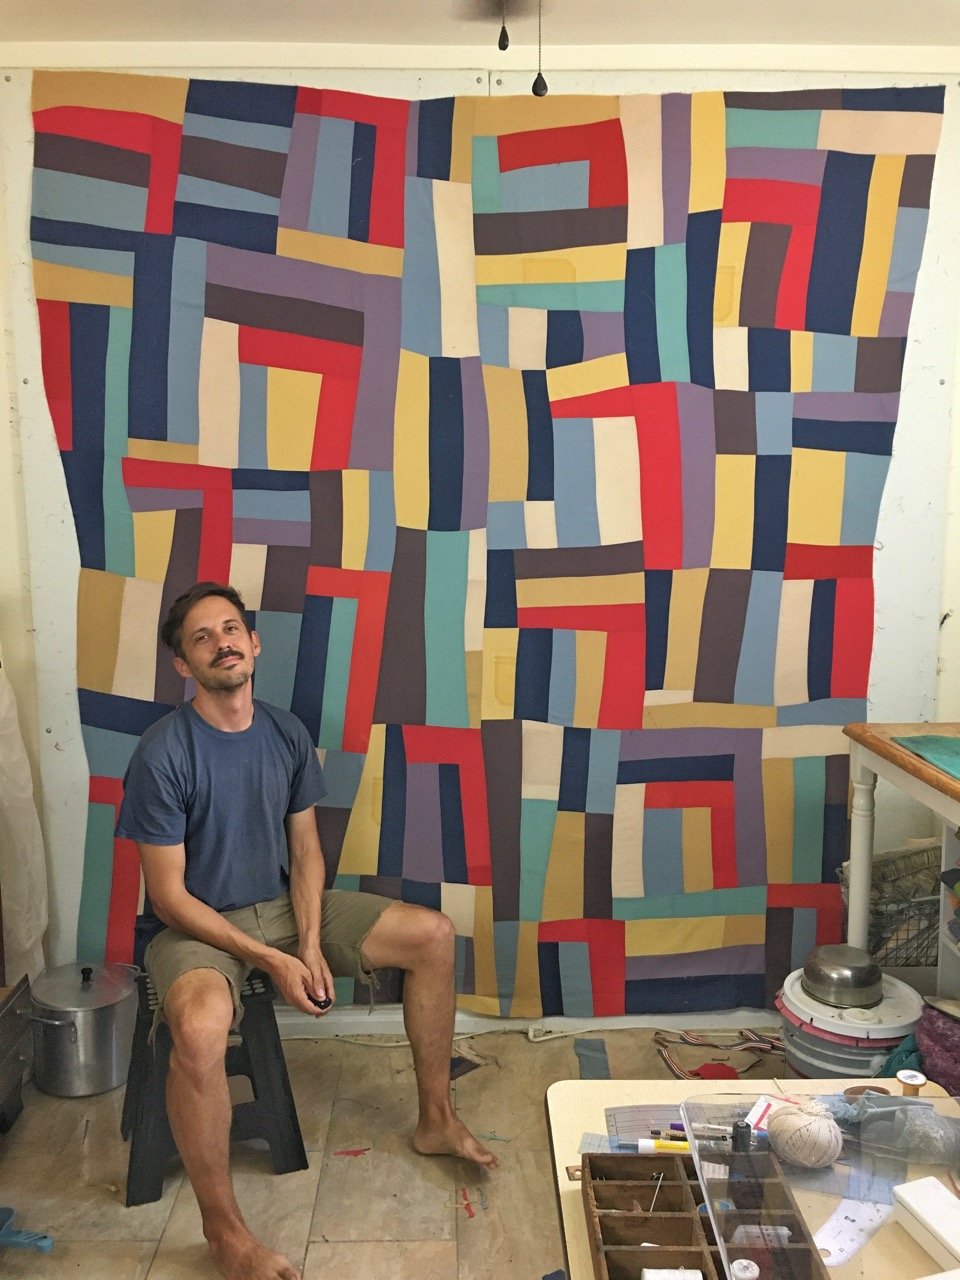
(861, 849)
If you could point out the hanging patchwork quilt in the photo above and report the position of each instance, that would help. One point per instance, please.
(545, 439)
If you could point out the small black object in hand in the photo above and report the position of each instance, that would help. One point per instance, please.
(321, 1004)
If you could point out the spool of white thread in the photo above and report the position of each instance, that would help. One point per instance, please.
(744, 1269)
(911, 1082)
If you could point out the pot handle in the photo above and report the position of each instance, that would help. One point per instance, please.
(57, 1022)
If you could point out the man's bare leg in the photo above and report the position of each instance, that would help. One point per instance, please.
(199, 1010)
(421, 942)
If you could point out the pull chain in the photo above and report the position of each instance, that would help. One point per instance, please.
(539, 84)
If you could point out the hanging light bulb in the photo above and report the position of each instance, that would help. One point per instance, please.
(539, 86)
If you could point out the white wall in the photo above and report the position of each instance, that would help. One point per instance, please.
(916, 539)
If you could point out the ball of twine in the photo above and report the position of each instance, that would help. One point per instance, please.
(804, 1134)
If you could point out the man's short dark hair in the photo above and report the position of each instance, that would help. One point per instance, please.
(171, 631)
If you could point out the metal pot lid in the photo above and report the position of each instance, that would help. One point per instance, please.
(91, 986)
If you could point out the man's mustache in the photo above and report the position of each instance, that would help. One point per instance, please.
(226, 653)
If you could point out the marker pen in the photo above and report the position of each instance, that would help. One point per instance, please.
(647, 1146)
(676, 1132)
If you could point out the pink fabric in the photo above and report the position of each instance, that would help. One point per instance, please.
(938, 1038)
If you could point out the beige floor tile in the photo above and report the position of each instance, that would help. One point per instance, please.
(77, 1198)
(388, 1193)
(514, 1229)
(377, 1094)
(89, 1148)
(381, 1077)
(505, 1096)
(314, 1068)
(277, 1208)
(105, 1260)
(381, 1260)
(47, 1124)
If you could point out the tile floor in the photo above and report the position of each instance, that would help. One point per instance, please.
(388, 1214)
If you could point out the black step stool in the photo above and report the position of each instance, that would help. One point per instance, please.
(254, 1051)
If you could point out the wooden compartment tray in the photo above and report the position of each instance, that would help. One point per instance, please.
(647, 1213)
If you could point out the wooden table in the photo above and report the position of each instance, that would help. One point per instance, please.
(874, 754)
(576, 1107)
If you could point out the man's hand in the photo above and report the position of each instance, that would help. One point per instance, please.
(297, 981)
(321, 993)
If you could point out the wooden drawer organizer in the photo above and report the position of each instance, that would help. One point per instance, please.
(625, 1237)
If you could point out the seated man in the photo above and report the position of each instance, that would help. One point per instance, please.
(220, 797)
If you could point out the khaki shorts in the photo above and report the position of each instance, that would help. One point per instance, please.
(347, 918)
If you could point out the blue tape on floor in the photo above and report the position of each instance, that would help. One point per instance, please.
(593, 1059)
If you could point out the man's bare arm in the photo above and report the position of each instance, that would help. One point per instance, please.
(163, 872)
(307, 874)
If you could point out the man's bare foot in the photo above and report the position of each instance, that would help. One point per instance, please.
(239, 1256)
(451, 1137)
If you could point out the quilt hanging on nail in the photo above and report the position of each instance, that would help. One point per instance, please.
(545, 440)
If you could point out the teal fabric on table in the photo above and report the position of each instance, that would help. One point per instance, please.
(936, 748)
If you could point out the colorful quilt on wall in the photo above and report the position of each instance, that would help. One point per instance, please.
(545, 439)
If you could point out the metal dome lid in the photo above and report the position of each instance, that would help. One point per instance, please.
(83, 986)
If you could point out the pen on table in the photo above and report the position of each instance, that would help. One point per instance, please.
(646, 1146)
(717, 1132)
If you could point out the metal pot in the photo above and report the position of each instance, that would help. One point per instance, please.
(83, 1019)
(842, 976)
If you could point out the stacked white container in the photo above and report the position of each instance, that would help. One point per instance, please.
(823, 1041)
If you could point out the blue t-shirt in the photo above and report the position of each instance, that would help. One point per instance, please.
(225, 797)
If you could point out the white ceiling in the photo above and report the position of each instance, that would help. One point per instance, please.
(477, 22)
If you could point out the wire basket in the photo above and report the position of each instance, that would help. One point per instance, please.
(904, 925)
(905, 933)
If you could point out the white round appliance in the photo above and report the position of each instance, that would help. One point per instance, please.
(850, 1042)
(893, 1018)
(822, 1041)
(822, 1059)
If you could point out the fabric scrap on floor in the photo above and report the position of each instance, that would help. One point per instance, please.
(753, 1045)
(592, 1055)
(460, 1066)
